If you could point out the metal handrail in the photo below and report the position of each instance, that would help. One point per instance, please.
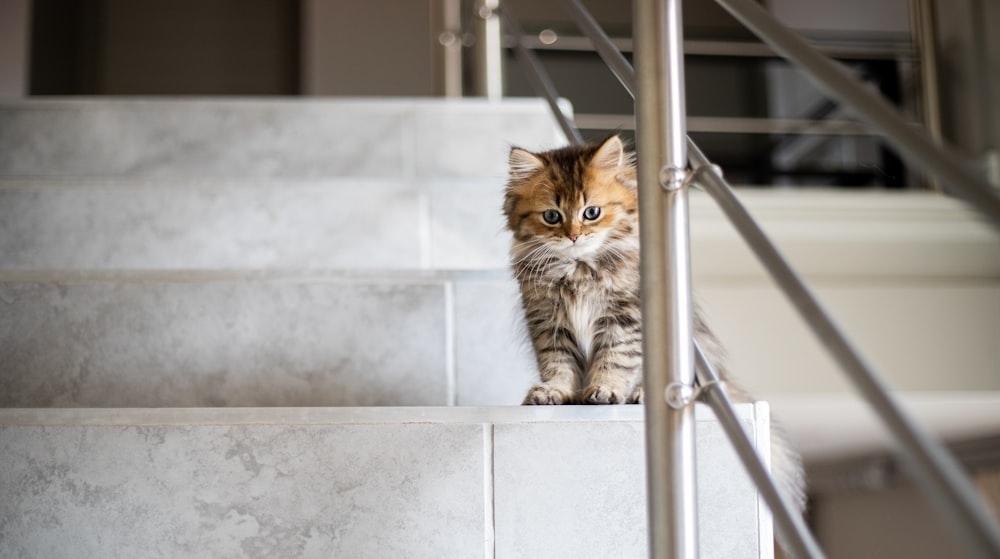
(943, 479)
(790, 525)
(940, 476)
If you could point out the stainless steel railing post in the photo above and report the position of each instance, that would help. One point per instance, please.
(489, 50)
(668, 348)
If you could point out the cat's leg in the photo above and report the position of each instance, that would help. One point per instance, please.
(559, 366)
(614, 374)
(637, 394)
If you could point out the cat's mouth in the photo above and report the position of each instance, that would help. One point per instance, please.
(579, 249)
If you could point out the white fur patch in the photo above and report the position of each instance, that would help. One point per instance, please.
(582, 316)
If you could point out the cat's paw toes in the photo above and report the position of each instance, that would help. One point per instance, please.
(635, 397)
(603, 394)
(544, 395)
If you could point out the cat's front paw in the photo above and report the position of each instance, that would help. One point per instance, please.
(545, 395)
(603, 394)
(636, 396)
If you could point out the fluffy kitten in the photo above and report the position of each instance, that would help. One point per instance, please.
(575, 220)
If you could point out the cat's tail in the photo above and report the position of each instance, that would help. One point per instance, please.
(786, 468)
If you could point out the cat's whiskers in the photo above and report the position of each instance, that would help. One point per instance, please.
(531, 265)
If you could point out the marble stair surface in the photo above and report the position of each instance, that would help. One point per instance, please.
(378, 483)
(259, 252)
(284, 328)
(258, 138)
(260, 338)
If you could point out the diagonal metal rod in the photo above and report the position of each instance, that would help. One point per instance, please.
(833, 79)
(613, 57)
(539, 79)
(792, 530)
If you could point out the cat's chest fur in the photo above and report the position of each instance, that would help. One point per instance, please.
(581, 313)
(581, 295)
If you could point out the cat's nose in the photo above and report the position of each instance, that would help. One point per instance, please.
(573, 237)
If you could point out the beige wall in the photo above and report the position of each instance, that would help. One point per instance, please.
(165, 47)
(891, 523)
(376, 47)
(13, 48)
(969, 55)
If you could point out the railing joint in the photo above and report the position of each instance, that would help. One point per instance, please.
(680, 395)
(673, 178)
(699, 170)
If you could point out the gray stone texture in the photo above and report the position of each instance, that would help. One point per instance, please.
(494, 360)
(508, 482)
(222, 340)
(182, 224)
(290, 138)
(587, 491)
(256, 491)
(467, 226)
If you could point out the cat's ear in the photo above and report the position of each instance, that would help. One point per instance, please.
(524, 164)
(611, 154)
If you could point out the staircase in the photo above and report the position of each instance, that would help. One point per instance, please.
(270, 328)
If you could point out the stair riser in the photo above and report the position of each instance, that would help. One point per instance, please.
(420, 488)
(274, 342)
(339, 224)
(344, 223)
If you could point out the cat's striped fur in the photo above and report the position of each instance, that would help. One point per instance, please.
(578, 273)
(574, 216)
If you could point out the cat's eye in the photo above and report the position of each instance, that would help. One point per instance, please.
(591, 213)
(552, 216)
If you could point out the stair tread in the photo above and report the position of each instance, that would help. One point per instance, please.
(274, 137)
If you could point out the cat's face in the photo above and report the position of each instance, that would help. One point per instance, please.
(572, 203)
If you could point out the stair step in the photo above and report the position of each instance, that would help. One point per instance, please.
(154, 223)
(182, 223)
(291, 138)
(356, 482)
(191, 339)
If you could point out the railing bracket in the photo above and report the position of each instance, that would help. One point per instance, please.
(673, 178)
(699, 170)
(679, 395)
